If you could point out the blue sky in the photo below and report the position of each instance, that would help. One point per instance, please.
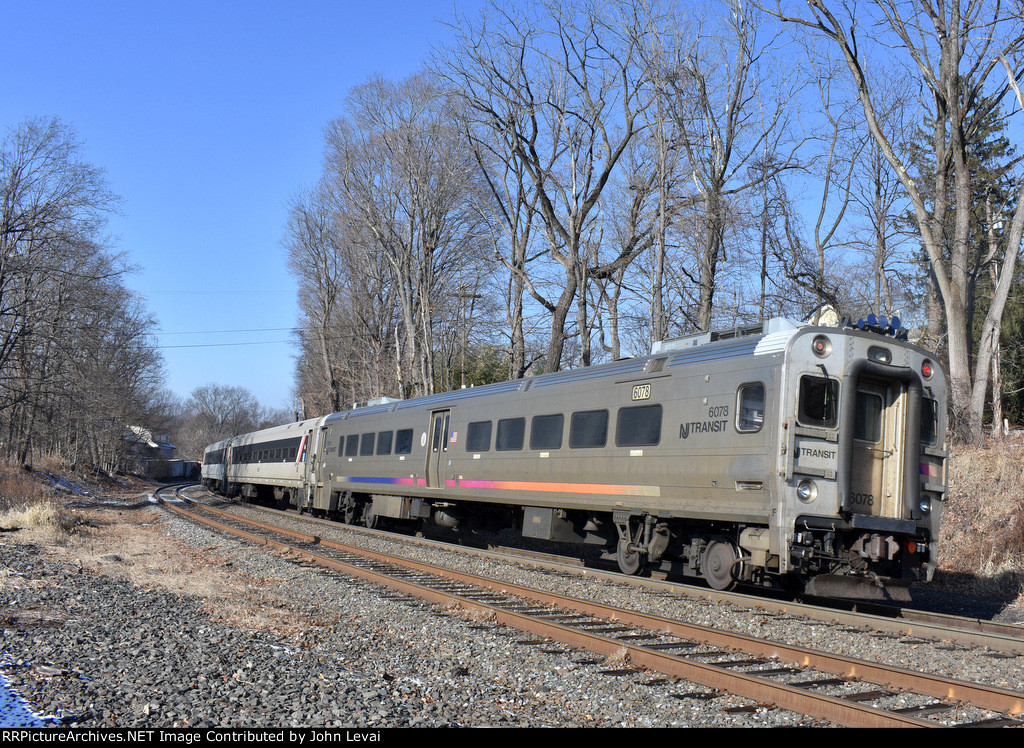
(207, 117)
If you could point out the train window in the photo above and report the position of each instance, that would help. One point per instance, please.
(639, 426)
(351, 445)
(384, 442)
(588, 428)
(818, 399)
(750, 407)
(929, 421)
(439, 441)
(403, 441)
(546, 431)
(366, 443)
(292, 452)
(867, 424)
(478, 436)
(510, 434)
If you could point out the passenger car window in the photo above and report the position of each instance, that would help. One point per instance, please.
(639, 426)
(478, 436)
(510, 434)
(403, 441)
(750, 408)
(818, 399)
(351, 445)
(546, 431)
(384, 442)
(366, 443)
(588, 428)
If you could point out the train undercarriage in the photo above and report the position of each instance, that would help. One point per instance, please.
(824, 561)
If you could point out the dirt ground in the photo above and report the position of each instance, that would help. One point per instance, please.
(124, 534)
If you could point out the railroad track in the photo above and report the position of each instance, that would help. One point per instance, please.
(841, 690)
(899, 621)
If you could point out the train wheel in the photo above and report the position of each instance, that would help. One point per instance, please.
(630, 562)
(370, 519)
(716, 566)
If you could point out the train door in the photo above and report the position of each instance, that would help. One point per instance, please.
(229, 487)
(307, 458)
(437, 454)
(877, 452)
(319, 467)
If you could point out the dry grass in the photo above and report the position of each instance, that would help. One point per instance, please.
(29, 508)
(43, 521)
(982, 536)
(19, 488)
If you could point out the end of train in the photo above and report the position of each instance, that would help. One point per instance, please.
(786, 455)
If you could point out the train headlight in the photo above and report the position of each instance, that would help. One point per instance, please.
(806, 491)
(881, 355)
(821, 346)
(925, 505)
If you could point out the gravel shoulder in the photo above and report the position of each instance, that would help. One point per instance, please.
(144, 619)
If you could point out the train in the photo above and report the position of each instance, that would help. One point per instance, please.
(784, 454)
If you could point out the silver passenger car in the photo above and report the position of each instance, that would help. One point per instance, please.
(772, 455)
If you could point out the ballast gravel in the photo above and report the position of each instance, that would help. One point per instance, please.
(87, 648)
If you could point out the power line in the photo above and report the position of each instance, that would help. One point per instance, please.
(222, 345)
(227, 332)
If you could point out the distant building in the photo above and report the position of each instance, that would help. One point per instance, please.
(825, 315)
(146, 446)
(153, 456)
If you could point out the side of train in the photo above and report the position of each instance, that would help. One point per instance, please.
(767, 455)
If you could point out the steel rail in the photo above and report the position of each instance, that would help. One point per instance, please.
(748, 685)
(960, 630)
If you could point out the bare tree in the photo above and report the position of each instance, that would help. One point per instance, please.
(315, 258)
(401, 176)
(213, 412)
(558, 86)
(732, 107)
(78, 363)
(51, 202)
(955, 48)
